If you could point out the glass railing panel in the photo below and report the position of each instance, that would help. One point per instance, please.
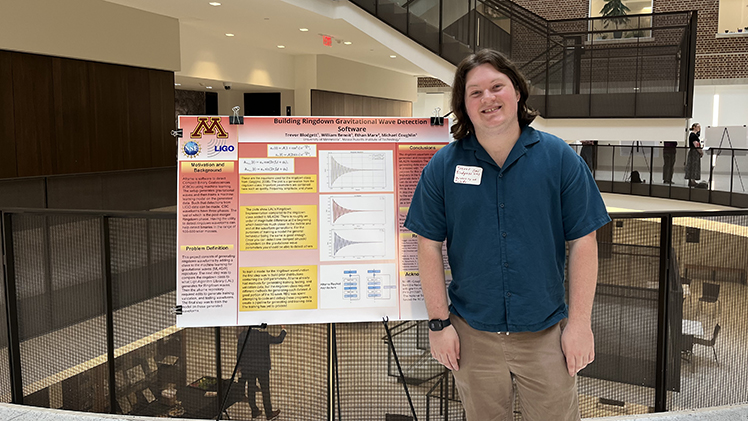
(423, 23)
(368, 5)
(740, 172)
(393, 13)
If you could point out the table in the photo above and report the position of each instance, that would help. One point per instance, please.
(692, 327)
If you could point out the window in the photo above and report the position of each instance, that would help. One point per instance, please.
(624, 18)
(733, 16)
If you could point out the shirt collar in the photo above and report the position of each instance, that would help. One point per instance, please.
(527, 138)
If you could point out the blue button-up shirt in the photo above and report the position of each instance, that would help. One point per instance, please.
(506, 231)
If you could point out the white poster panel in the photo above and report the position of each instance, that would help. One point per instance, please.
(287, 220)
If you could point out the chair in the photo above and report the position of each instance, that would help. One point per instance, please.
(686, 348)
(709, 342)
(710, 294)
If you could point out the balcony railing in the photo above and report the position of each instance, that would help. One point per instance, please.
(723, 181)
(638, 66)
(86, 325)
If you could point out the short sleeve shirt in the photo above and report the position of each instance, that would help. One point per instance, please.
(506, 231)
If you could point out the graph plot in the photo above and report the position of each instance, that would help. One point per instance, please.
(357, 210)
(357, 243)
(356, 171)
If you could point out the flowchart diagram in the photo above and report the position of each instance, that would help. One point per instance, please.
(357, 286)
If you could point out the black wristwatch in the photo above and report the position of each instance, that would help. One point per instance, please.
(436, 325)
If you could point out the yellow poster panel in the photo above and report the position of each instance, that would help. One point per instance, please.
(274, 183)
(278, 288)
(292, 227)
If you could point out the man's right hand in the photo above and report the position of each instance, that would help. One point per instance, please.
(445, 347)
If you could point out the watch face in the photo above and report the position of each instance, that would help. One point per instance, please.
(435, 325)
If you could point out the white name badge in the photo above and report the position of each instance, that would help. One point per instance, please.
(468, 175)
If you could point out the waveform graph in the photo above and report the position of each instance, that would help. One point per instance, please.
(356, 171)
(357, 210)
(356, 244)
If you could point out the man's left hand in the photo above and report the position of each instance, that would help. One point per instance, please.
(578, 344)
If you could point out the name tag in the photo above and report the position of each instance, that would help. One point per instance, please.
(468, 175)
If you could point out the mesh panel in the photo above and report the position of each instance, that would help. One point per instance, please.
(298, 375)
(5, 395)
(147, 343)
(621, 380)
(60, 291)
(198, 351)
(712, 257)
(369, 377)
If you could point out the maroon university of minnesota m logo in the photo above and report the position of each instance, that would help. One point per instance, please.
(209, 125)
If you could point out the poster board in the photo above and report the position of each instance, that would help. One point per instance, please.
(727, 137)
(285, 220)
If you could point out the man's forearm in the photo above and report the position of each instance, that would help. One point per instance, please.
(582, 278)
(431, 272)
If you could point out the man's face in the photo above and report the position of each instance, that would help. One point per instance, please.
(490, 99)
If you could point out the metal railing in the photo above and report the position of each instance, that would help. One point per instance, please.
(723, 172)
(86, 326)
(637, 66)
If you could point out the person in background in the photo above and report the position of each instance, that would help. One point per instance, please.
(508, 199)
(693, 159)
(255, 367)
(589, 154)
(669, 150)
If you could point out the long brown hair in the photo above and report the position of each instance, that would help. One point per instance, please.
(463, 126)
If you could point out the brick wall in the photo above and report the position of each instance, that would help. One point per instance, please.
(557, 9)
(733, 52)
(716, 58)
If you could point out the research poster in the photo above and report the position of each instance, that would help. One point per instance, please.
(299, 219)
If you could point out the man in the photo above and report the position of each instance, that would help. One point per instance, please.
(507, 198)
(255, 367)
(669, 151)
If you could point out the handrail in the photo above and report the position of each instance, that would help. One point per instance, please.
(540, 29)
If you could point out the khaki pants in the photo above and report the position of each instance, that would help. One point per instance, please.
(490, 360)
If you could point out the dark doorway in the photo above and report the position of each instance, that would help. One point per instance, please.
(262, 103)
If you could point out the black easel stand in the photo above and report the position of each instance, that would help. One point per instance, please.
(236, 367)
(334, 353)
(630, 163)
(399, 369)
(725, 133)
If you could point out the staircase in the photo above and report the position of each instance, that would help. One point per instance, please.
(411, 341)
(574, 68)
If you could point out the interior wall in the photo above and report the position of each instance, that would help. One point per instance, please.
(63, 116)
(91, 30)
(427, 102)
(732, 105)
(326, 103)
(345, 76)
(609, 129)
(306, 80)
(253, 66)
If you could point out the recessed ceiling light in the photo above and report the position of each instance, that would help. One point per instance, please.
(347, 42)
(214, 3)
(281, 46)
(303, 29)
(229, 35)
(393, 56)
(209, 87)
(177, 84)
